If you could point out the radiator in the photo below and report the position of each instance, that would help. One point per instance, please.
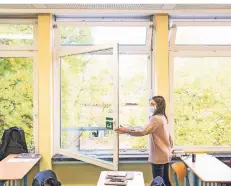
(200, 183)
(12, 183)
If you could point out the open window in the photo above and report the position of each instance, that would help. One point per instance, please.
(89, 109)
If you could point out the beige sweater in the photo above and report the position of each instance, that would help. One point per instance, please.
(160, 145)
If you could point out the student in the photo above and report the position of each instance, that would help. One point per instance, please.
(160, 140)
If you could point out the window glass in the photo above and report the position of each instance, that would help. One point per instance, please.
(202, 101)
(203, 35)
(73, 35)
(16, 34)
(16, 96)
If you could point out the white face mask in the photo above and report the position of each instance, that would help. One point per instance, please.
(151, 110)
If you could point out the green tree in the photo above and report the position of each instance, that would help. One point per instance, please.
(16, 95)
(202, 95)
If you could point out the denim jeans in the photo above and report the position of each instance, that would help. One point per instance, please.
(2, 183)
(162, 171)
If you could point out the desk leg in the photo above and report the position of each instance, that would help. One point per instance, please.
(25, 180)
(195, 179)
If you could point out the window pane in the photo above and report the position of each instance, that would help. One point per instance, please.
(16, 96)
(203, 35)
(202, 101)
(86, 97)
(133, 98)
(11, 34)
(73, 35)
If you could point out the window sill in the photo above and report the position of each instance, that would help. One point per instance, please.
(129, 159)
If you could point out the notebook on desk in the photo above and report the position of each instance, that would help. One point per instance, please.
(28, 155)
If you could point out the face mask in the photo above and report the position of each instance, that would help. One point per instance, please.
(151, 110)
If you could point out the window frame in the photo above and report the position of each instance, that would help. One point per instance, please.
(125, 49)
(172, 55)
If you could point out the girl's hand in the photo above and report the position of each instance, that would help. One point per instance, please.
(121, 130)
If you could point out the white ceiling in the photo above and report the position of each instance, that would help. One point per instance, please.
(117, 10)
(117, 6)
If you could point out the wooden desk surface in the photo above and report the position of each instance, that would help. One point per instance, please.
(16, 170)
(138, 179)
(209, 169)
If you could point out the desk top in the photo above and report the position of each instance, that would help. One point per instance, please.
(12, 168)
(138, 179)
(208, 168)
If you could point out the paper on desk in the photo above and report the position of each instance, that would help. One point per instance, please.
(20, 160)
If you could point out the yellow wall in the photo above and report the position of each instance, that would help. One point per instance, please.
(160, 55)
(86, 174)
(45, 85)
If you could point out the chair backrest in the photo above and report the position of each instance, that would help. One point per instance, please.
(180, 170)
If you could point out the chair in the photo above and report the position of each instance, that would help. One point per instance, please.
(180, 172)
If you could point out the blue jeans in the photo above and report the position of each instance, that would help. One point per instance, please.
(2, 183)
(162, 171)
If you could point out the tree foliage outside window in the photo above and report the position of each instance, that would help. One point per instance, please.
(16, 95)
(202, 101)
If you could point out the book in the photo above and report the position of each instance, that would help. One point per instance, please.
(28, 155)
(115, 181)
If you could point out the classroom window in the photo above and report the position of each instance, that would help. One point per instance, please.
(18, 78)
(86, 82)
(201, 99)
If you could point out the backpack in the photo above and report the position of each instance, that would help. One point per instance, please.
(43, 177)
(13, 142)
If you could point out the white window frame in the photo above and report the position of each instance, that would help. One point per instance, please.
(172, 55)
(115, 164)
(21, 47)
(124, 49)
(33, 55)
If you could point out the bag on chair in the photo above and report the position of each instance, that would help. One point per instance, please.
(13, 142)
(158, 181)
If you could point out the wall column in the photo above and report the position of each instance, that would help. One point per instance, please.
(45, 88)
(160, 56)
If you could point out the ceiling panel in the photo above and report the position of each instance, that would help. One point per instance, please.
(202, 6)
(117, 6)
(106, 6)
(16, 6)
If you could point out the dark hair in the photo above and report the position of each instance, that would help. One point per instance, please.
(52, 182)
(160, 106)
